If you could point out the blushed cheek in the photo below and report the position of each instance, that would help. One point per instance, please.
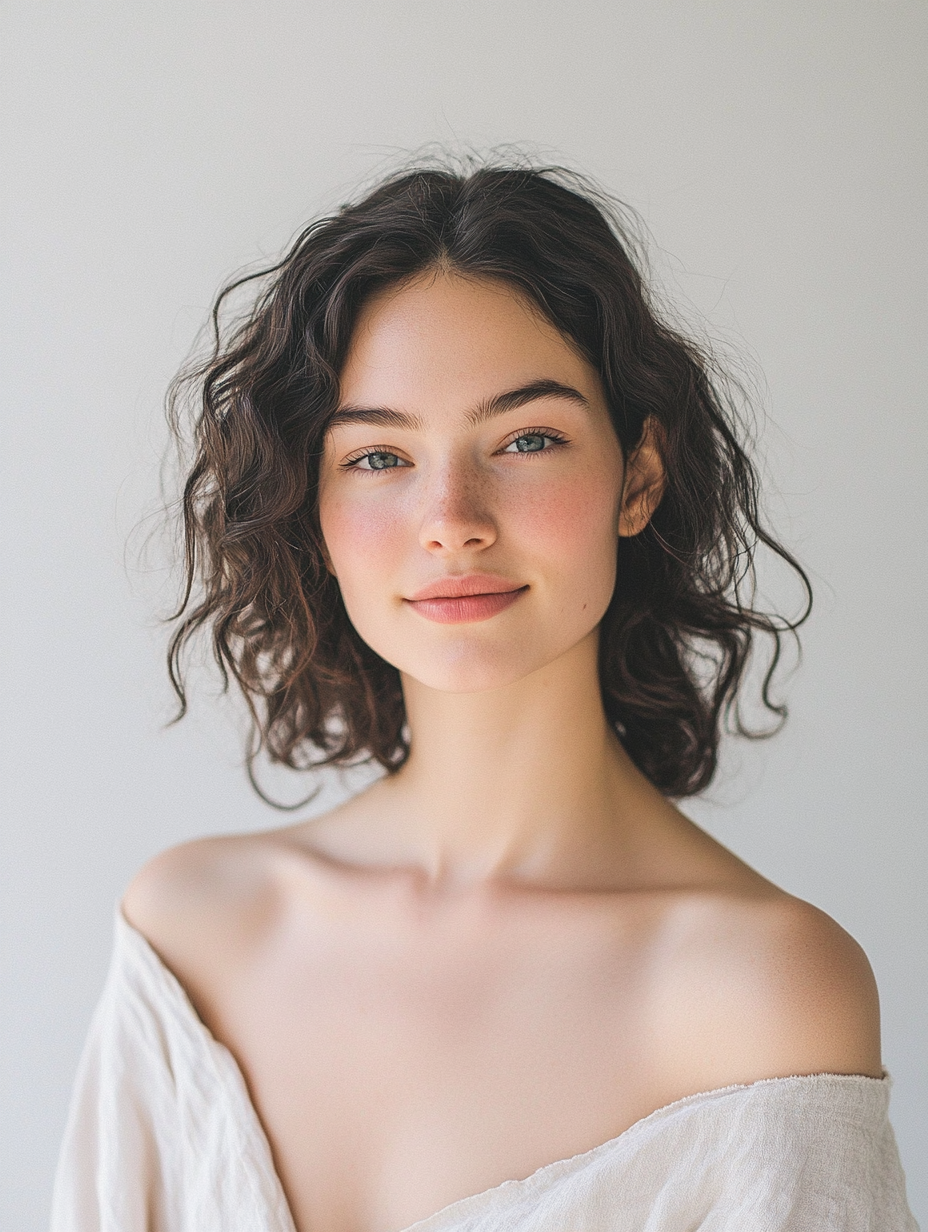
(573, 522)
(362, 540)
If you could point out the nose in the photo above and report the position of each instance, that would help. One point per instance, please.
(456, 513)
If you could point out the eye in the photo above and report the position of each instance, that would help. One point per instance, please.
(375, 460)
(535, 441)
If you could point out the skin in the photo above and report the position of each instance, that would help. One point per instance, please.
(515, 948)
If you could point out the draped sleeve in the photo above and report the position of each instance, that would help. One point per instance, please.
(161, 1134)
(805, 1154)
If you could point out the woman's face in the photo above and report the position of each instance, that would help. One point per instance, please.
(471, 485)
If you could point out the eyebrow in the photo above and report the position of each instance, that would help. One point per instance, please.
(386, 417)
(514, 398)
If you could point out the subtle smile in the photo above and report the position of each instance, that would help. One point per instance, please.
(459, 600)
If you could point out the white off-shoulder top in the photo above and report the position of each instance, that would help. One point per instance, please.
(163, 1137)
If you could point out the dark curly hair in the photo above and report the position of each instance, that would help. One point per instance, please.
(677, 636)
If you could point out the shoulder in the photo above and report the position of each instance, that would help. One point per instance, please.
(207, 904)
(764, 985)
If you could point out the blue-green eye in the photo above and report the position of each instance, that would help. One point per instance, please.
(380, 460)
(532, 442)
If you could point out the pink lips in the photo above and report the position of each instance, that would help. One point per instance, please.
(456, 600)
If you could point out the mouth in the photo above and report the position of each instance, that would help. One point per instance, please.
(459, 600)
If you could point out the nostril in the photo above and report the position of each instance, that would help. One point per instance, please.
(452, 526)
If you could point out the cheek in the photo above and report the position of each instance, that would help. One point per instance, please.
(365, 541)
(573, 521)
(362, 537)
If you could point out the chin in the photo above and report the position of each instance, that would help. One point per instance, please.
(474, 658)
(470, 668)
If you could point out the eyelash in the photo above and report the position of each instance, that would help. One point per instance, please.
(351, 463)
(549, 434)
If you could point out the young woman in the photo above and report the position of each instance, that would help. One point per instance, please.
(464, 505)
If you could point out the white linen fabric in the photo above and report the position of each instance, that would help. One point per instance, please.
(163, 1137)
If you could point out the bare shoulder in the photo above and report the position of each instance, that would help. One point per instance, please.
(765, 985)
(208, 903)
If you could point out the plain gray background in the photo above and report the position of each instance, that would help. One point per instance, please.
(775, 151)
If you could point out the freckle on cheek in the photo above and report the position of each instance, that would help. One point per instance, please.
(563, 517)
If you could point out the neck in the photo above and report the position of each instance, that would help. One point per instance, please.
(526, 781)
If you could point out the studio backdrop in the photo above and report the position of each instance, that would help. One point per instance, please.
(775, 152)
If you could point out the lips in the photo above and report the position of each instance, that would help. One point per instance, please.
(458, 600)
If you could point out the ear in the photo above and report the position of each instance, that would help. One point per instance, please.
(645, 480)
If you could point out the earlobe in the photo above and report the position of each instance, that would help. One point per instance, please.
(645, 480)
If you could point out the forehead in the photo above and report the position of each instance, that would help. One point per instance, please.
(443, 338)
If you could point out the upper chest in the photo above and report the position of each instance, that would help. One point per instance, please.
(402, 1058)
